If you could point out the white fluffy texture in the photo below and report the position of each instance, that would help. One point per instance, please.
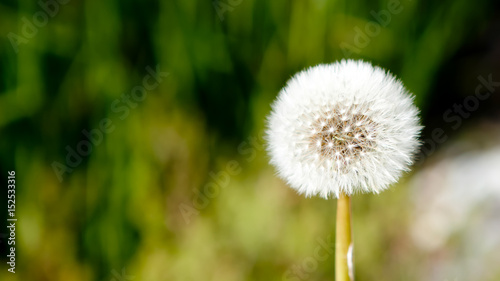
(343, 127)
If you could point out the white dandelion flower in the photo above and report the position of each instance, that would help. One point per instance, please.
(343, 127)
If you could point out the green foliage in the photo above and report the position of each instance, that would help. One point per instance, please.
(133, 202)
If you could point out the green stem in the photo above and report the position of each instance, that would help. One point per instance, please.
(344, 270)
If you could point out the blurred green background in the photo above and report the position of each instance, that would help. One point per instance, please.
(177, 184)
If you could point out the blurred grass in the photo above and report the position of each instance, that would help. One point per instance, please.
(119, 209)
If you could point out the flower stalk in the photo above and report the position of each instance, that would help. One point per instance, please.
(344, 268)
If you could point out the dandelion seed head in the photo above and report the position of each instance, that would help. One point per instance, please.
(353, 126)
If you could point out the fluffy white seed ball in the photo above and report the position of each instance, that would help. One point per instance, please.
(343, 127)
